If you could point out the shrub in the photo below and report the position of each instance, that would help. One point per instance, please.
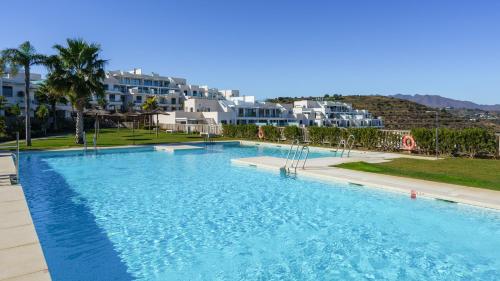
(292, 133)
(470, 141)
(425, 139)
(332, 135)
(316, 134)
(476, 141)
(271, 133)
(248, 131)
(367, 137)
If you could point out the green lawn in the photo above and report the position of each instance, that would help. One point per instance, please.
(110, 137)
(481, 173)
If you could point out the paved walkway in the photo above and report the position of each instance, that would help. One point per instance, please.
(319, 168)
(21, 256)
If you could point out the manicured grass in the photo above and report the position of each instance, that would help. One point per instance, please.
(481, 173)
(110, 137)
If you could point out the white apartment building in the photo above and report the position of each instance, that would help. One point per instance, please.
(336, 114)
(12, 88)
(193, 104)
(246, 110)
(233, 110)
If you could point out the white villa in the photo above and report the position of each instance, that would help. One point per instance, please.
(336, 114)
(193, 104)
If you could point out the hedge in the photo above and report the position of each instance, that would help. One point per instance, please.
(292, 132)
(472, 142)
(240, 131)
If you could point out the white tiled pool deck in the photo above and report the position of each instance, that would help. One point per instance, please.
(21, 256)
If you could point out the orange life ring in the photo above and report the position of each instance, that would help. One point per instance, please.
(261, 133)
(408, 143)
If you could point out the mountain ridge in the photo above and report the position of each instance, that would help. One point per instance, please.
(437, 101)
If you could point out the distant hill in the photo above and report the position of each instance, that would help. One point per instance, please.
(442, 102)
(398, 113)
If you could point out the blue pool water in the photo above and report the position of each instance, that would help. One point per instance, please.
(140, 214)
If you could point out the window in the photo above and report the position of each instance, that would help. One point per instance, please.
(106, 87)
(111, 97)
(20, 94)
(148, 83)
(7, 91)
(173, 101)
(138, 99)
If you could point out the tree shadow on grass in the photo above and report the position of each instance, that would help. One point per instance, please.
(138, 139)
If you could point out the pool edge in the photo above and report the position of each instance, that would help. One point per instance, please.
(21, 254)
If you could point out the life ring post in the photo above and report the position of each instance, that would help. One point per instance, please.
(408, 143)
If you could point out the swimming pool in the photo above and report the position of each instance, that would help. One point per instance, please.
(140, 214)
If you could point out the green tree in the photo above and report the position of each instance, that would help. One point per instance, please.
(3, 101)
(15, 110)
(78, 71)
(47, 93)
(42, 113)
(150, 105)
(24, 57)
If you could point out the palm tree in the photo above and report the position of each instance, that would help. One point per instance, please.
(47, 93)
(24, 56)
(150, 105)
(42, 113)
(78, 71)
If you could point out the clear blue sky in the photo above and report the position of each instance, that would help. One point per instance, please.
(284, 48)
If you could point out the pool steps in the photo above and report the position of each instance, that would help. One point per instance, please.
(173, 148)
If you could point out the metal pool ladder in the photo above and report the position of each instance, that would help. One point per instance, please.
(291, 164)
(207, 138)
(346, 144)
(15, 157)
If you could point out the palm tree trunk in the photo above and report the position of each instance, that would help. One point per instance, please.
(79, 126)
(27, 104)
(54, 117)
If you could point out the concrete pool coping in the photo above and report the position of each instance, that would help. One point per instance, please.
(21, 255)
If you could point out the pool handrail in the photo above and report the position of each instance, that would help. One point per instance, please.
(15, 156)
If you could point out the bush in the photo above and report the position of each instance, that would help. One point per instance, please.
(292, 133)
(477, 141)
(332, 135)
(471, 141)
(271, 133)
(425, 139)
(316, 134)
(366, 137)
(240, 131)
